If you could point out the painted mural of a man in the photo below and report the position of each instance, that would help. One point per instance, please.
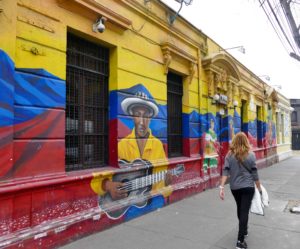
(140, 145)
(211, 138)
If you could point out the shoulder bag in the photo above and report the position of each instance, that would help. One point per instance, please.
(259, 201)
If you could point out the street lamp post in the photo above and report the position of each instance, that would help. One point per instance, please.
(240, 48)
(267, 77)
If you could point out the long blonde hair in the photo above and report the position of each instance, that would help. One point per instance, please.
(240, 146)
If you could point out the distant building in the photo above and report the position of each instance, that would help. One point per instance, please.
(295, 120)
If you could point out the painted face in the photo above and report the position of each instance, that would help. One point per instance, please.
(141, 117)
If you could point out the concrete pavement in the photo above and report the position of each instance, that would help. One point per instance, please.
(203, 221)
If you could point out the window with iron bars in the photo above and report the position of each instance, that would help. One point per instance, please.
(174, 101)
(86, 104)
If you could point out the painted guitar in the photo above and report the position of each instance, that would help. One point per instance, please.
(138, 184)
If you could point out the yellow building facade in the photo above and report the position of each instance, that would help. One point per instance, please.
(110, 111)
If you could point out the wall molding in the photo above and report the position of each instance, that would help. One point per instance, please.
(98, 9)
(170, 52)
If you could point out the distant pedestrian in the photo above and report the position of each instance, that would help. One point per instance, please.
(240, 166)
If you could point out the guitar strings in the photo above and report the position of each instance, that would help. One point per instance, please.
(146, 180)
(143, 181)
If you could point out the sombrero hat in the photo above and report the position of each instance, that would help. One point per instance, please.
(139, 100)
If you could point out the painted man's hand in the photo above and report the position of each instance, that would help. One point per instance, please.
(114, 189)
(168, 179)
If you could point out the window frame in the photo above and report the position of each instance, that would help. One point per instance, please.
(87, 79)
(174, 89)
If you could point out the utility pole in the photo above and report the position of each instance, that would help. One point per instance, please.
(286, 7)
(295, 56)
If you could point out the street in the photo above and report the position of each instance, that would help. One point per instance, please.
(203, 221)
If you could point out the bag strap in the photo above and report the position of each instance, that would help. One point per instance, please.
(246, 167)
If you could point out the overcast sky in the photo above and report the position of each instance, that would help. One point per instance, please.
(232, 23)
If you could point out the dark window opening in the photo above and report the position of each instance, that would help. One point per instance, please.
(259, 126)
(294, 117)
(244, 113)
(175, 93)
(86, 104)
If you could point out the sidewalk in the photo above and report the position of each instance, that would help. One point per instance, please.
(204, 221)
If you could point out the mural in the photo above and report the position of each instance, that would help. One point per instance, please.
(252, 132)
(270, 136)
(32, 126)
(144, 183)
(231, 129)
(32, 105)
(212, 144)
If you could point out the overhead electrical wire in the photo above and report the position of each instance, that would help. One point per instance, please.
(283, 23)
(280, 26)
(287, 26)
(294, 30)
(272, 24)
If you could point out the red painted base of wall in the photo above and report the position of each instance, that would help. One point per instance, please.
(72, 227)
(53, 212)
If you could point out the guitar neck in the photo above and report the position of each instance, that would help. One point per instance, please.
(148, 180)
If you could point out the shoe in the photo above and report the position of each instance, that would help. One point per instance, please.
(241, 245)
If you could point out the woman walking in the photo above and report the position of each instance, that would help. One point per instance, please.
(240, 166)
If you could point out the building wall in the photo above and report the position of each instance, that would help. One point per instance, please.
(283, 128)
(295, 103)
(41, 203)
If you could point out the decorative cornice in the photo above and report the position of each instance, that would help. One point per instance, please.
(39, 11)
(251, 82)
(223, 75)
(166, 46)
(284, 107)
(192, 71)
(170, 52)
(244, 93)
(167, 59)
(98, 9)
(271, 94)
(221, 60)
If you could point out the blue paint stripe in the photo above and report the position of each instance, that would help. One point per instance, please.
(44, 92)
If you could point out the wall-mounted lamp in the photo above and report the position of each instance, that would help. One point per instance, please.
(266, 77)
(221, 111)
(235, 104)
(215, 99)
(240, 49)
(172, 18)
(99, 26)
(277, 86)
